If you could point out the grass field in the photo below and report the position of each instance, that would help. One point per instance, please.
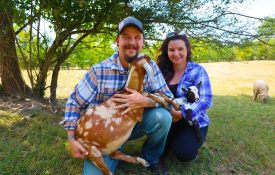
(240, 138)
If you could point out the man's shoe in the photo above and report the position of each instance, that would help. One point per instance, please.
(159, 169)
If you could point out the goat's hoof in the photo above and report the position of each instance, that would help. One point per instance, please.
(143, 162)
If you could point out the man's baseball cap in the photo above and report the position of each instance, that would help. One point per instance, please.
(129, 21)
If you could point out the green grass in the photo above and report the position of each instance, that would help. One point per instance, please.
(240, 138)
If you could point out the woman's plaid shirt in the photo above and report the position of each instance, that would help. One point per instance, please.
(196, 75)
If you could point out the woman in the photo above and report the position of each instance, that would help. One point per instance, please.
(179, 71)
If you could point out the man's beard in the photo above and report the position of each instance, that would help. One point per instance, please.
(130, 59)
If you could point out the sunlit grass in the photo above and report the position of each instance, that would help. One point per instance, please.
(236, 78)
(240, 138)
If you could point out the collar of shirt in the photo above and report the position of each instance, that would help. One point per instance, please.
(189, 66)
(116, 64)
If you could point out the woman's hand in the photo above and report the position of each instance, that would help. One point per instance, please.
(77, 150)
(176, 115)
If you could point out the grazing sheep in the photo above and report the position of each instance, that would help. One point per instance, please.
(260, 89)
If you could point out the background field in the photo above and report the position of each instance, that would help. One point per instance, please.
(240, 138)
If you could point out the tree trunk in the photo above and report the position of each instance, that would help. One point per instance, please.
(54, 82)
(39, 88)
(12, 81)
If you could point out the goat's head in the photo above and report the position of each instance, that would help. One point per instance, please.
(137, 72)
(263, 97)
(192, 94)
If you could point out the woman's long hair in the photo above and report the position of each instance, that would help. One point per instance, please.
(165, 65)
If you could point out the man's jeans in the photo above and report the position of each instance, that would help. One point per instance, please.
(155, 124)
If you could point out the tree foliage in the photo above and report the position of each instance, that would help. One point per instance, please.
(83, 30)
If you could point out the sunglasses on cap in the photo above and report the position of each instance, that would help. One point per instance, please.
(171, 34)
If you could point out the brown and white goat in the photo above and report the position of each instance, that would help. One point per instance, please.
(102, 129)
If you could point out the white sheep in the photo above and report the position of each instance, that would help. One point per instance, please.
(260, 88)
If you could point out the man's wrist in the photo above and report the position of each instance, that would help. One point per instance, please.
(71, 137)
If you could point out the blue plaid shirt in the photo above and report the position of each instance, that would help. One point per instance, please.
(194, 75)
(100, 83)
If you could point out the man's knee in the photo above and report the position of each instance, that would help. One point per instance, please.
(162, 117)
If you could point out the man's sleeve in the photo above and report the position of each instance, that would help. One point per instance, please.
(85, 92)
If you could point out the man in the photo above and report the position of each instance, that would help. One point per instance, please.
(105, 79)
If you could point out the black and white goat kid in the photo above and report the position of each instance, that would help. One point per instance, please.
(192, 96)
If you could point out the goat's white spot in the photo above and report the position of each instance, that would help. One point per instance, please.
(195, 90)
(129, 123)
(89, 124)
(80, 129)
(111, 128)
(107, 123)
(103, 112)
(95, 143)
(90, 111)
(85, 134)
(95, 151)
(117, 120)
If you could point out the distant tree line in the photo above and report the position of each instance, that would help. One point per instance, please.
(98, 47)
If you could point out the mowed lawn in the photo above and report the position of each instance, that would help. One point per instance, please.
(240, 138)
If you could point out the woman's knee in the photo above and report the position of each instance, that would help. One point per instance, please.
(185, 150)
(185, 156)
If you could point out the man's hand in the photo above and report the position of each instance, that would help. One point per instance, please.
(77, 150)
(176, 115)
(134, 100)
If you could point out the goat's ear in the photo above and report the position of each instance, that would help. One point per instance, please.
(184, 90)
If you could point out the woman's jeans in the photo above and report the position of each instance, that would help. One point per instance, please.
(155, 124)
(183, 142)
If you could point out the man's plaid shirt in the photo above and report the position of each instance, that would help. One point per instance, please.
(100, 83)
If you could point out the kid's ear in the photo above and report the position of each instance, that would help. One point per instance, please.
(199, 85)
(184, 90)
